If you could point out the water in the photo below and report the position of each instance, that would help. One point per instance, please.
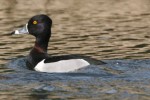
(102, 29)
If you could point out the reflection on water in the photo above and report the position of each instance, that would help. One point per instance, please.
(103, 29)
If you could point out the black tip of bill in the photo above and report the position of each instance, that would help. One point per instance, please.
(12, 33)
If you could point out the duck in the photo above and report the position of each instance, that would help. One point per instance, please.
(38, 59)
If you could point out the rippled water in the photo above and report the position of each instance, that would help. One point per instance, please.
(102, 29)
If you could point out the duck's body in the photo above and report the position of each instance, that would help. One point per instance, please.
(61, 66)
(38, 59)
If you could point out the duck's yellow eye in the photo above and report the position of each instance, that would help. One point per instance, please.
(35, 22)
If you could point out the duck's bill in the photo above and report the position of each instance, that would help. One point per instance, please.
(23, 30)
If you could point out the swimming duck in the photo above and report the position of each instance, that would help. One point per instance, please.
(38, 59)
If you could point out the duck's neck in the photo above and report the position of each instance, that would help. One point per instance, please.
(41, 44)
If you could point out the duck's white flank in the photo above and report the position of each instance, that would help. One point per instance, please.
(61, 66)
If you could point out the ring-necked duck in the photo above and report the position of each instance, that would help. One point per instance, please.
(38, 59)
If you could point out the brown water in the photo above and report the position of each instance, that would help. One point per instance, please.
(102, 29)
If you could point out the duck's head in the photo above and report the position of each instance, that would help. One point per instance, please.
(38, 26)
